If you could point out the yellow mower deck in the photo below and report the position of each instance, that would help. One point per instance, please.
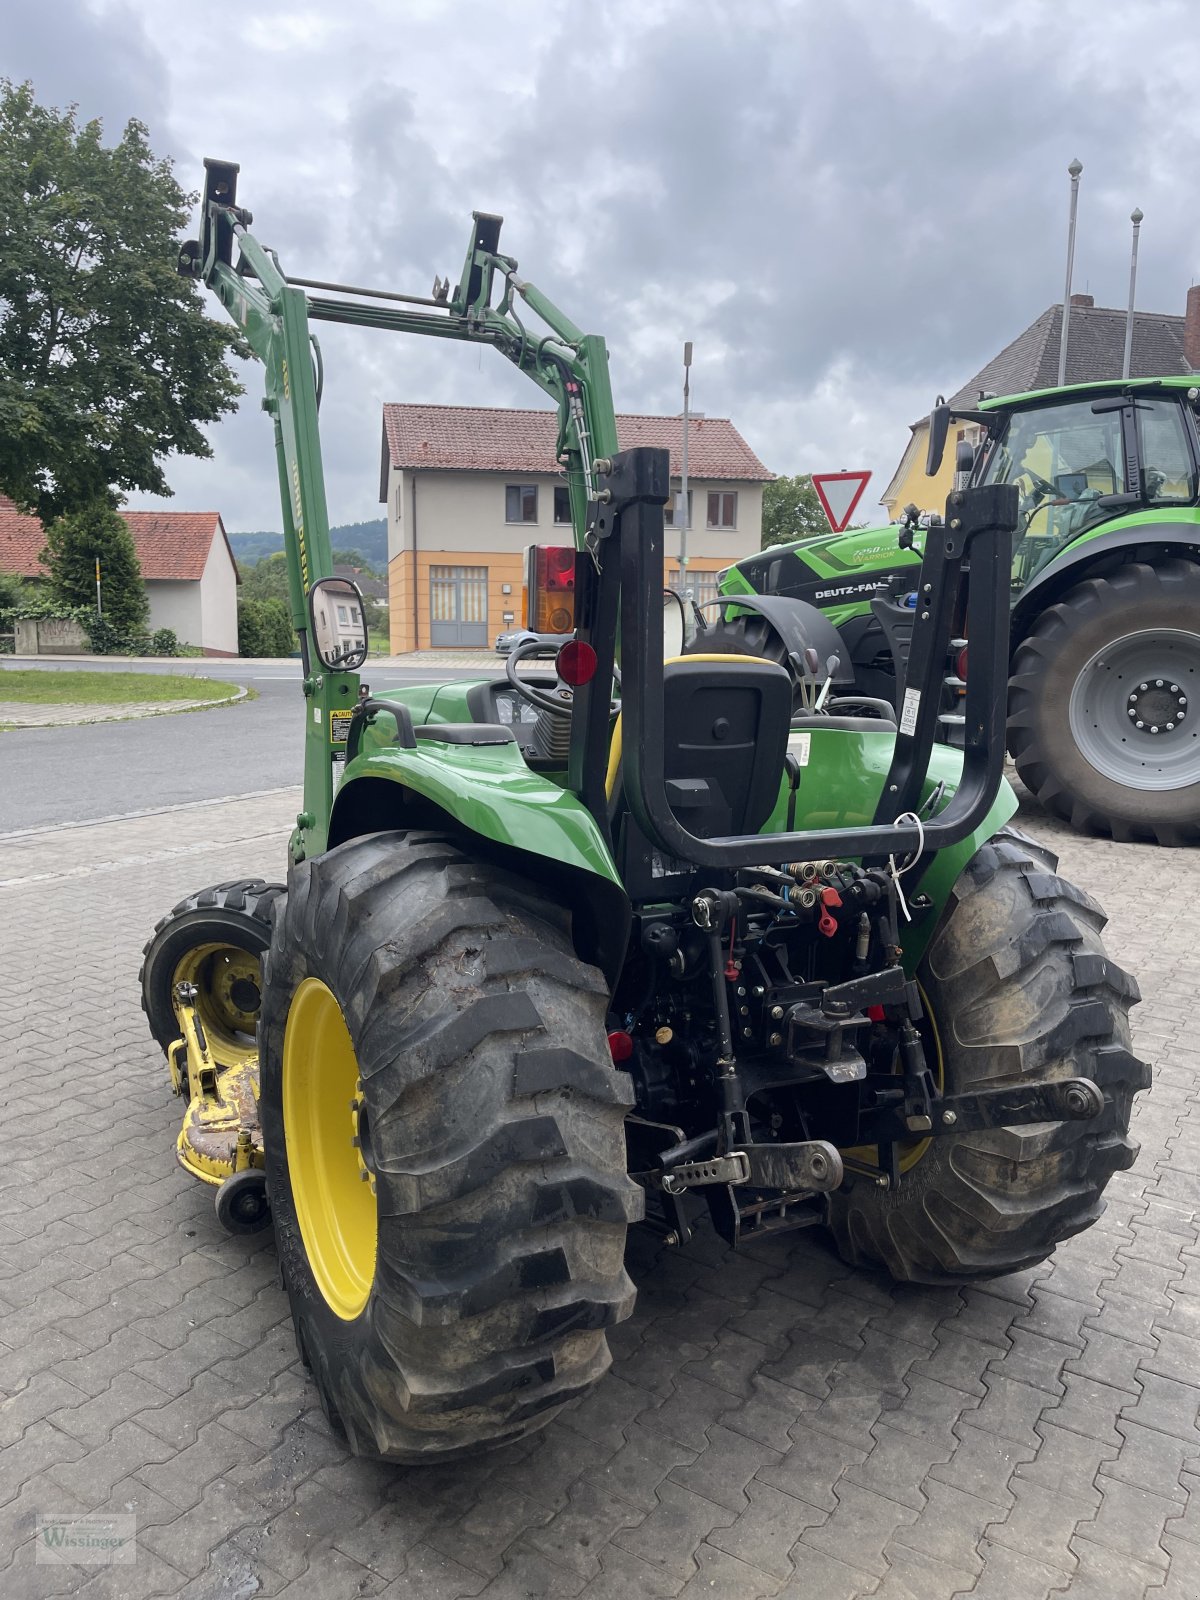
(220, 1141)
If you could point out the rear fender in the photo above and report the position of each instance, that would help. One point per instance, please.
(1142, 537)
(511, 815)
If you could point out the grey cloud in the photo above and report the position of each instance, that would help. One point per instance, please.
(847, 207)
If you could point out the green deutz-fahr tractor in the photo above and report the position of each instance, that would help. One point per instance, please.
(631, 940)
(1104, 660)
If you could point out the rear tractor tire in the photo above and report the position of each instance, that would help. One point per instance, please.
(1104, 705)
(1018, 987)
(445, 1154)
(215, 939)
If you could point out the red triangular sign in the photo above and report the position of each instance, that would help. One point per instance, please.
(839, 493)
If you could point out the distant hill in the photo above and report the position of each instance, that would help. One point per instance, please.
(368, 538)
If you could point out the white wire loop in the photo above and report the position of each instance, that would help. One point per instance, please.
(898, 872)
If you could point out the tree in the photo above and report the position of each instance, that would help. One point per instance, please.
(264, 628)
(73, 546)
(267, 579)
(107, 360)
(791, 511)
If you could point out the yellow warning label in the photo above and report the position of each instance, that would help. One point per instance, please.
(339, 726)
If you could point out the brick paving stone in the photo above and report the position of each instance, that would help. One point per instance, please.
(1089, 1408)
(1166, 1404)
(1104, 1574)
(812, 1467)
(1042, 1524)
(982, 1464)
(575, 1534)
(1033, 1360)
(721, 1574)
(824, 1577)
(914, 1575)
(724, 1468)
(1152, 1460)
(770, 1413)
(480, 1536)
(766, 1531)
(627, 1577)
(635, 1470)
(1013, 1575)
(900, 1462)
(860, 1528)
(949, 1527)
(1065, 1457)
(669, 1535)
(1130, 1521)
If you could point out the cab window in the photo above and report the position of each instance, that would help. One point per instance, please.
(1168, 471)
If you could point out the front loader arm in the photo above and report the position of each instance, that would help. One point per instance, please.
(274, 312)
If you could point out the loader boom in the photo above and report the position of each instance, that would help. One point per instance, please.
(274, 313)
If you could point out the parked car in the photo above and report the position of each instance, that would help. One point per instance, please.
(549, 644)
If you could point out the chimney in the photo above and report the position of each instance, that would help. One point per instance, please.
(1085, 300)
(1191, 328)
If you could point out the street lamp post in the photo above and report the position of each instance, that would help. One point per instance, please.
(685, 511)
(1135, 216)
(1074, 170)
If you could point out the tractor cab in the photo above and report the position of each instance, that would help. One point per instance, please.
(1083, 456)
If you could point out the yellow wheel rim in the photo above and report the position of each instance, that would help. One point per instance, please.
(228, 984)
(328, 1146)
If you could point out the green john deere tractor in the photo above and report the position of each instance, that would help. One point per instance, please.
(1104, 658)
(633, 941)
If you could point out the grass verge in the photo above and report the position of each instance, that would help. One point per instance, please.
(31, 687)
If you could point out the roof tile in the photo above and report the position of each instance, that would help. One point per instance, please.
(169, 544)
(1095, 352)
(492, 439)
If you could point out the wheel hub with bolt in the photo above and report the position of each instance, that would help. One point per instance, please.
(1130, 710)
(1156, 706)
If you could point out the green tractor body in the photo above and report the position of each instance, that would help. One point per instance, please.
(638, 940)
(1104, 594)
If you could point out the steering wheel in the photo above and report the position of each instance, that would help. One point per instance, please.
(559, 703)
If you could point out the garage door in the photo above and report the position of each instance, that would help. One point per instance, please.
(458, 607)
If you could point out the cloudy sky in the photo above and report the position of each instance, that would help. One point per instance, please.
(847, 205)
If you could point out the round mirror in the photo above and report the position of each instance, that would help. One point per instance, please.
(339, 628)
(674, 624)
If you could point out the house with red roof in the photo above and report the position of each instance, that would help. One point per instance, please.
(187, 565)
(468, 488)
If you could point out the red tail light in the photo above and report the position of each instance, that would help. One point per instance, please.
(551, 587)
(575, 663)
(960, 664)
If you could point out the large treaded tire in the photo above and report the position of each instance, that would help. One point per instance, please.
(1046, 666)
(237, 914)
(1020, 988)
(496, 1120)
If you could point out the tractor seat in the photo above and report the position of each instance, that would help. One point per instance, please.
(726, 720)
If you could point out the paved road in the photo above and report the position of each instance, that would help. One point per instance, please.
(774, 1426)
(54, 775)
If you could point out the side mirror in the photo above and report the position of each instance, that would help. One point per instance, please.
(964, 461)
(674, 624)
(339, 628)
(939, 427)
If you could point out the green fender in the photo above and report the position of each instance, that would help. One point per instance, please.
(530, 821)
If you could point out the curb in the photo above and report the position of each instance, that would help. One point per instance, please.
(162, 709)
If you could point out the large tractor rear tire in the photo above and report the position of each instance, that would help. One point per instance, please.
(1104, 705)
(445, 1154)
(214, 939)
(1019, 988)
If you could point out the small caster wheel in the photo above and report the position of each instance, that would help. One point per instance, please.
(242, 1204)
